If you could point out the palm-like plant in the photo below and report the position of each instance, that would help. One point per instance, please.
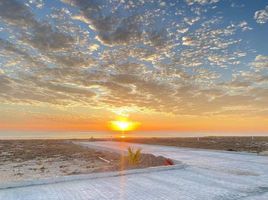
(134, 156)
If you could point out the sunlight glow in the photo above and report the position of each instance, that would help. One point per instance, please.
(123, 125)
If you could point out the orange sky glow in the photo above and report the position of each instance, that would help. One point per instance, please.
(65, 120)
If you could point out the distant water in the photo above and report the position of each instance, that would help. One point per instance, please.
(107, 134)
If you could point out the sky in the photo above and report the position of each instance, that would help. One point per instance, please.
(178, 65)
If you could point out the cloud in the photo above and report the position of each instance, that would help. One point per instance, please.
(187, 41)
(202, 2)
(16, 13)
(46, 39)
(129, 54)
(5, 83)
(94, 47)
(43, 36)
(16, 55)
(111, 29)
(36, 3)
(261, 16)
(260, 62)
(238, 84)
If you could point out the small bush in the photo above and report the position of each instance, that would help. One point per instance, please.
(134, 157)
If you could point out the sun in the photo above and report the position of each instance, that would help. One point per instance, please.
(123, 125)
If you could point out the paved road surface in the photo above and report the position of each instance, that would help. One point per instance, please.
(208, 175)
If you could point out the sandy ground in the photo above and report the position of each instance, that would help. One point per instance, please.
(23, 160)
(36, 159)
(247, 144)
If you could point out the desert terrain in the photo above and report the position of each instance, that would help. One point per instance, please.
(246, 144)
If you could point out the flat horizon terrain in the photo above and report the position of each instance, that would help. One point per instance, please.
(227, 143)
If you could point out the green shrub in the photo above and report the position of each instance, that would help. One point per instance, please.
(134, 156)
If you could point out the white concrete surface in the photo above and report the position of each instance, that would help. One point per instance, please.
(209, 175)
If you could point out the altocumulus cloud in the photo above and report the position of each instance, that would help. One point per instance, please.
(261, 16)
(166, 56)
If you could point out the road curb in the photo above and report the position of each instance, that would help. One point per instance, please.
(12, 185)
